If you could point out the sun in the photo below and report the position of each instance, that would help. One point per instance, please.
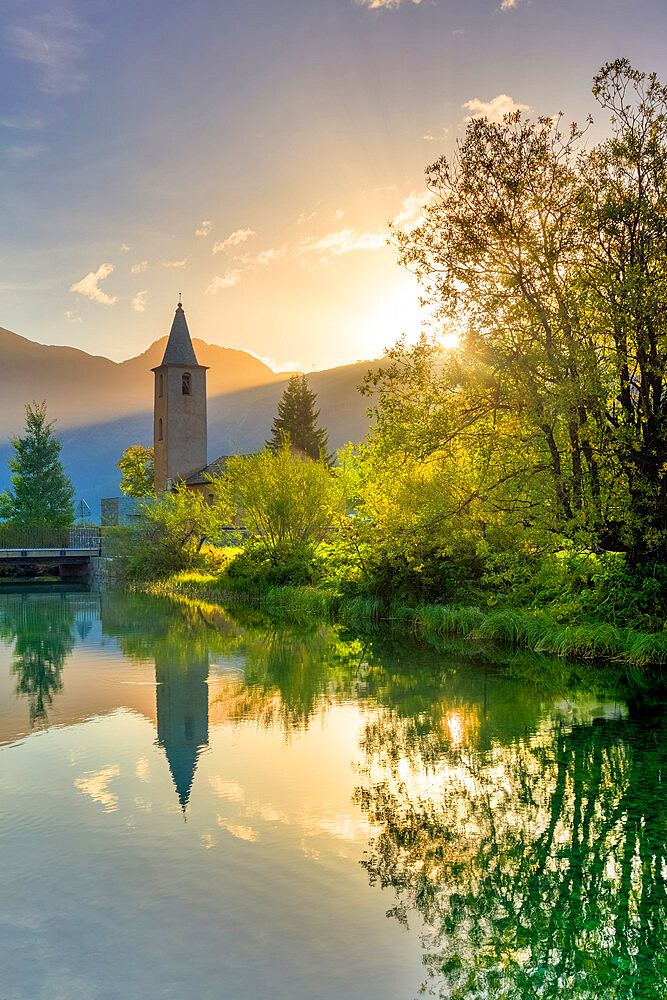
(399, 314)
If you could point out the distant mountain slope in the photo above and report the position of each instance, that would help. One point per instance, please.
(82, 388)
(102, 407)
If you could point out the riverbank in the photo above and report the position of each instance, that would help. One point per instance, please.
(522, 628)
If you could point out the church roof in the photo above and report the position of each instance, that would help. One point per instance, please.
(213, 469)
(179, 349)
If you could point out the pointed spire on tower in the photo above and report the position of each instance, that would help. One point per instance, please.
(179, 349)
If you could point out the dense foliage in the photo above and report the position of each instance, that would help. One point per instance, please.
(41, 494)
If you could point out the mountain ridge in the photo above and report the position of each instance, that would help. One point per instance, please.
(107, 405)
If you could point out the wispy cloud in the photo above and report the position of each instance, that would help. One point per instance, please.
(227, 280)
(263, 259)
(124, 247)
(376, 4)
(437, 137)
(139, 268)
(410, 214)
(88, 286)
(22, 123)
(494, 109)
(55, 44)
(21, 151)
(139, 301)
(72, 316)
(233, 240)
(509, 4)
(305, 217)
(336, 244)
(174, 263)
(205, 228)
(277, 366)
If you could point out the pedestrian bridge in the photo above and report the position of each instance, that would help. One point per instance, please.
(26, 551)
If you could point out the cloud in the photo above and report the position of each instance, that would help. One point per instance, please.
(88, 286)
(205, 228)
(341, 242)
(276, 366)
(125, 247)
(54, 43)
(96, 784)
(233, 240)
(72, 316)
(227, 280)
(436, 138)
(139, 302)
(410, 214)
(509, 4)
(340, 213)
(262, 259)
(174, 263)
(377, 4)
(303, 218)
(22, 123)
(139, 268)
(21, 151)
(495, 109)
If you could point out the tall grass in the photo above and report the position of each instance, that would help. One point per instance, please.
(510, 627)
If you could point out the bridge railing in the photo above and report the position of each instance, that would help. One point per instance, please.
(15, 536)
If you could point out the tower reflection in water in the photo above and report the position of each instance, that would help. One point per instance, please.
(182, 715)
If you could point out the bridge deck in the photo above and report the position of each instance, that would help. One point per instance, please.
(30, 553)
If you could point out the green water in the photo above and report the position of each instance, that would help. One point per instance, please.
(205, 805)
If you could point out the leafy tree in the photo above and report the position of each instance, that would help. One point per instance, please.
(41, 493)
(296, 421)
(137, 465)
(549, 258)
(288, 499)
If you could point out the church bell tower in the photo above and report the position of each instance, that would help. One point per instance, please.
(179, 409)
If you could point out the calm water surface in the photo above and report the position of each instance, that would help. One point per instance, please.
(198, 805)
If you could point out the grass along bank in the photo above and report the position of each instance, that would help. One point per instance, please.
(519, 628)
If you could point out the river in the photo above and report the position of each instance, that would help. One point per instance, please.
(205, 804)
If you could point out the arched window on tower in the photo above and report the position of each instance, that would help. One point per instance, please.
(160, 384)
(159, 429)
(187, 384)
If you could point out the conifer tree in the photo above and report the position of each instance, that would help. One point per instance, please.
(296, 421)
(42, 494)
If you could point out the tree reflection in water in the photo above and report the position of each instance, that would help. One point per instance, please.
(42, 630)
(537, 866)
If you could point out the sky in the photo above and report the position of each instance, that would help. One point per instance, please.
(250, 154)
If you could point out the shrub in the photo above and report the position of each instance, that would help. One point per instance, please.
(284, 563)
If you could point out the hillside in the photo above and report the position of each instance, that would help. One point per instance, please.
(84, 388)
(101, 407)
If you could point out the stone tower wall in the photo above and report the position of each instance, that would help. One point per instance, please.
(182, 450)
